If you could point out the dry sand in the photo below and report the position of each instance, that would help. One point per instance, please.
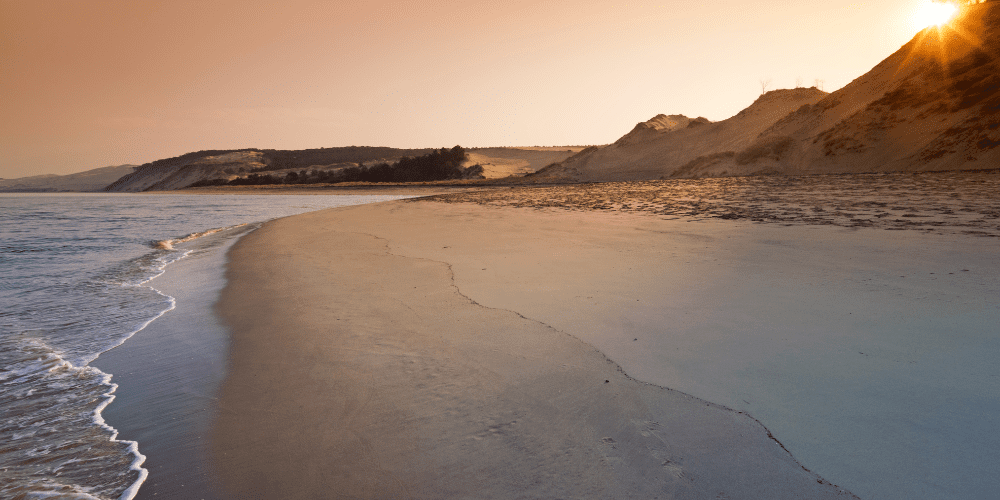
(426, 349)
(360, 372)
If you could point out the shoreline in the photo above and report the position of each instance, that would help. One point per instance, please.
(168, 371)
(343, 378)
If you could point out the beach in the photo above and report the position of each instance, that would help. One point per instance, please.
(493, 345)
(362, 373)
(528, 250)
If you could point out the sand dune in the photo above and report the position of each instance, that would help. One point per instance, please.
(654, 149)
(932, 105)
(176, 173)
(505, 162)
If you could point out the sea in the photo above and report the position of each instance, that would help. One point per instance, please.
(98, 290)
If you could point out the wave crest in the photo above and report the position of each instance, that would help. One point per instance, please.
(168, 244)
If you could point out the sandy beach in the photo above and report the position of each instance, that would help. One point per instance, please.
(485, 345)
(500, 250)
(363, 373)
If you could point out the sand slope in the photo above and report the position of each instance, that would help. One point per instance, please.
(932, 105)
(180, 172)
(652, 150)
(504, 162)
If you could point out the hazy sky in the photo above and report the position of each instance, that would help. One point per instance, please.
(86, 84)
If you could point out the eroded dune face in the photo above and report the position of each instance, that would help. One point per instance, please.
(656, 148)
(932, 105)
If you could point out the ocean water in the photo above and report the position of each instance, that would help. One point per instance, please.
(79, 277)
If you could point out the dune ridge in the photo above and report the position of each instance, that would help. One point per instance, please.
(654, 149)
(933, 105)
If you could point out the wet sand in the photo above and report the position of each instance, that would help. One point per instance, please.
(168, 375)
(356, 372)
(459, 346)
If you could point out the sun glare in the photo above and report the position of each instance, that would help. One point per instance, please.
(933, 13)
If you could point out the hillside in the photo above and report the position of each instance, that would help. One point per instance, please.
(205, 166)
(655, 148)
(505, 162)
(932, 105)
(91, 180)
(182, 171)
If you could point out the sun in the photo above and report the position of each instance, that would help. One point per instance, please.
(933, 13)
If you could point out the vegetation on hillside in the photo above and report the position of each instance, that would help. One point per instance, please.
(261, 160)
(438, 165)
(277, 159)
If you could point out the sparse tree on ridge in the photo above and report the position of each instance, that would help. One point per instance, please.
(764, 84)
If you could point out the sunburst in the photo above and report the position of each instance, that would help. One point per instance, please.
(943, 30)
(933, 13)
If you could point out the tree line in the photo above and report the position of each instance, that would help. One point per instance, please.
(277, 159)
(442, 164)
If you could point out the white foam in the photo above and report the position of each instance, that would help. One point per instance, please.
(98, 419)
(168, 244)
(52, 361)
(58, 490)
(133, 446)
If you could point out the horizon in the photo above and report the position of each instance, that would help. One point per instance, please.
(411, 74)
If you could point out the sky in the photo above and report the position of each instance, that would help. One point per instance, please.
(87, 84)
